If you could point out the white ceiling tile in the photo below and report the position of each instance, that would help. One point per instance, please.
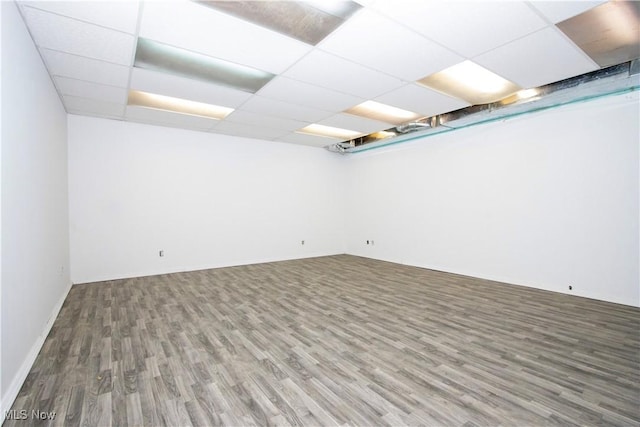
(469, 28)
(557, 11)
(378, 42)
(351, 122)
(118, 15)
(296, 92)
(261, 105)
(538, 59)
(180, 87)
(374, 55)
(168, 118)
(329, 71)
(244, 117)
(79, 67)
(76, 105)
(98, 92)
(421, 100)
(203, 29)
(309, 140)
(72, 36)
(249, 131)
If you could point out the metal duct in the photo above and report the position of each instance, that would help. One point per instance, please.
(412, 127)
(612, 80)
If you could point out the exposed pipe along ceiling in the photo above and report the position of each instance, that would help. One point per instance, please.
(609, 34)
(608, 81)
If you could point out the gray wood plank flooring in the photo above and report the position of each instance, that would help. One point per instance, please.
(338, 340)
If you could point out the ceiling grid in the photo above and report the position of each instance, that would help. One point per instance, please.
(314, 72)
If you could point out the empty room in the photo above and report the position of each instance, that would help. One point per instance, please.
(316, 213)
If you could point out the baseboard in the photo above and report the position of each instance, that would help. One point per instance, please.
(500, 279)
(13, 390)
(198, 267)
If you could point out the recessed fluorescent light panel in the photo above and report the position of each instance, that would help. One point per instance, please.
(308, 22)
(152, 55)
(382, 112)
(609, 33)
(470, 82)
(330, 132)
(177, 105)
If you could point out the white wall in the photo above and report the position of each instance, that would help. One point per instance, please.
(206, 200)
(545, 200)
(35, 232)
(1, 388)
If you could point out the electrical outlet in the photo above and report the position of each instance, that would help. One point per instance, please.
(372, 243)
(570, 287)
(367, 242)
(161, 253)
(302, 243)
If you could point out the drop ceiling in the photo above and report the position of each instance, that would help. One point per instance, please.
(317, 62)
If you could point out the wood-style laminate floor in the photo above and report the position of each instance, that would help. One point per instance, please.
(334, 341)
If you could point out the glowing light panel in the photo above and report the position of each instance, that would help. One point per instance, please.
(177, 105)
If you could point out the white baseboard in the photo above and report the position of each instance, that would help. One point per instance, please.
(20, 376)
(198, 267)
